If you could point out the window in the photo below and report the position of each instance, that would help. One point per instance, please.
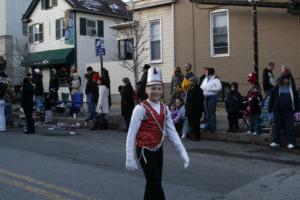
(155, 41)
(125, 49)
(219, 35)
(47, 4)
(60, 28)
(25, 29)
(36, 34)
(91, 27)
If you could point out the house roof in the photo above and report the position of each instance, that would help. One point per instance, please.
(111, 8)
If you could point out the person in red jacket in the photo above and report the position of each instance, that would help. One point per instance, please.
(150, 123)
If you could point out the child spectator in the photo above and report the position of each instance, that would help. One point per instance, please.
(254, 99)
(48, 103)
(233, 105)
(177, 114)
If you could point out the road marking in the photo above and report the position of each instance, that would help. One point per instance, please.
(47, 185)
(32, 189)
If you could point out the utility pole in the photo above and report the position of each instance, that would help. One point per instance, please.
(255, 38)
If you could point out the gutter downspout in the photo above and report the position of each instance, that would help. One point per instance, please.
(194, 48)
(174, 34)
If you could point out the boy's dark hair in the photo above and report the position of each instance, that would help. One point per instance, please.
(210, 71)
(89, 69)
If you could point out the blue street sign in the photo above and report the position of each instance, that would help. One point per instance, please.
(100, 50)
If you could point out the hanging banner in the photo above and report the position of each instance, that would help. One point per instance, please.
(70, 28)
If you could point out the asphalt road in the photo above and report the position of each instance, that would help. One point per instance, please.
(90, 165)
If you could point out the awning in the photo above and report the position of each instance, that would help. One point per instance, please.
(52, 57)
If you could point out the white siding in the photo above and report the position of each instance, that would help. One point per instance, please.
(86, 44)
(2, 17)
(165, 15)
(48, 17)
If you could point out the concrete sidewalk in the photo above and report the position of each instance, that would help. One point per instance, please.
(116, 122)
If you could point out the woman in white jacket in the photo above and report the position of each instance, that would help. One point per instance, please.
(103, 103)
(211, 87)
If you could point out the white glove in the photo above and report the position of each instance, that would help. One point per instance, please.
(131, 165)
(185, 157)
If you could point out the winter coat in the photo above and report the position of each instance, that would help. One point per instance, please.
(37, 79)
(194, 102)
(254, 102)
(2, 90)
(27, 94)
(276, 102)
(54, 84)
(103, 103)
(211, 86)
(178, 114)
(89, 83)
(233, 102)
(268, 79)
(176, 82)
(127, 100)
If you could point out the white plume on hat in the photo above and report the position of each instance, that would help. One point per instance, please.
(154, 77)
(37, 70)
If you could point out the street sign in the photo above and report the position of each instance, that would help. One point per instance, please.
(100, 50)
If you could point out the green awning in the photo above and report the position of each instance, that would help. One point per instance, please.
(52, 57)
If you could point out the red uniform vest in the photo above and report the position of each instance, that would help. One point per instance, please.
(149, 134)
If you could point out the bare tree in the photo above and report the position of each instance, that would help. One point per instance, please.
(23, 49)
(135, 32)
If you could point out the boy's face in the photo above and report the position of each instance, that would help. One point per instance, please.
(154, 92)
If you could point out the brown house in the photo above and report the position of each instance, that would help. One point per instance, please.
(220, 35)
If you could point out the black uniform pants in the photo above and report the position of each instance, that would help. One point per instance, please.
(153, 173)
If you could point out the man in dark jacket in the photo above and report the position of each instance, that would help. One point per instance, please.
(91, 91)
(268, 79)
(127, 101)
(194, 108)
(39, 89)
(27, 103)
(283, 103)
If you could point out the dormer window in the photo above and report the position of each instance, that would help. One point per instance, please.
(47, 4)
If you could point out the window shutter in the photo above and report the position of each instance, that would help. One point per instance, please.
(30, 35)
(100, 29)
(82, 26)
(119, 48)
(41, 32)
(54, 3)
(57, 29)
(43, 3)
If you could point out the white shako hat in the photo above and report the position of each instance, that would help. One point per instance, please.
(154, 77)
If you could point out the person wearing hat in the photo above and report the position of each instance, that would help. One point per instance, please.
(284, 102)
(27, 103)
(150, 123)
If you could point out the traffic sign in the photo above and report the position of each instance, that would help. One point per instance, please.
(100, 50)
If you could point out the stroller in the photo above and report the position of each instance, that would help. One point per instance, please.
(243, 115)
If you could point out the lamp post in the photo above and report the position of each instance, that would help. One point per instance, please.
(255, 42)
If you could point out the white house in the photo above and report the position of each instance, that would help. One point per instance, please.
(62, 35)
(11, 33)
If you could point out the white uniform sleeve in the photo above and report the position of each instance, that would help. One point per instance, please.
(174, 138)
(216, 85)
(136, 119)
